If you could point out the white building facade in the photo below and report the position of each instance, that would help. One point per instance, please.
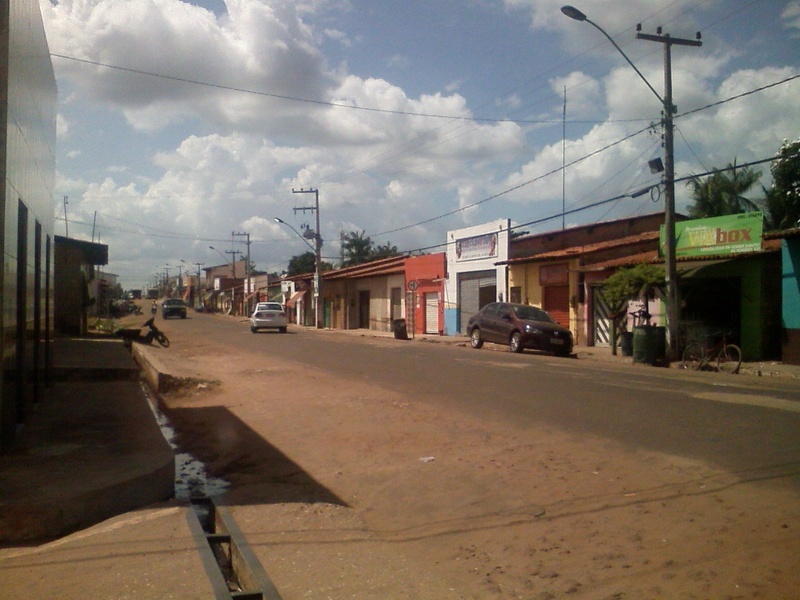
(473, 277)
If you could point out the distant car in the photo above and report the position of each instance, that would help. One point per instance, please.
(268, 315)
(173, 307)
(520, 326)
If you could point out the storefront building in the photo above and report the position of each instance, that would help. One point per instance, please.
(790, 293)
(425, 277)
(474, 277)
(366, 296)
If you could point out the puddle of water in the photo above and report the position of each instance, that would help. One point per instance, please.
(191, 479)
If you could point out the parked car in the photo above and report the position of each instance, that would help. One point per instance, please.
(520, 326)
(268, 315)
(173, 307)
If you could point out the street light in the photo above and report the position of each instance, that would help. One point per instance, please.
(225, 258)
(300, 235)
(673, 306)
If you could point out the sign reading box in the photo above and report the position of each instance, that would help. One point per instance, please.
(729, 234)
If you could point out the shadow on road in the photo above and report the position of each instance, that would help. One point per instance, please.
(259, 472)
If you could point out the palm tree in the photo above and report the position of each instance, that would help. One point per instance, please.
(357, 248)
(723, 192)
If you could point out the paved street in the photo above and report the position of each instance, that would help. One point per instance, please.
(739, 423)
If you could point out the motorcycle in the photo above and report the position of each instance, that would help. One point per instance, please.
(135, 335)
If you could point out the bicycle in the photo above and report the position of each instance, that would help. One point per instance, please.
(698, 356)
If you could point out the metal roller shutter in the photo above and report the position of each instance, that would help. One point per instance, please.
(432, 312)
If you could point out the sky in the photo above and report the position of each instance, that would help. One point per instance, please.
(182, 123)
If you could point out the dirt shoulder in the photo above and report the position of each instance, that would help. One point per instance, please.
(347, 490)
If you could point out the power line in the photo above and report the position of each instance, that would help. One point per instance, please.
(307, 100)
(516, 187)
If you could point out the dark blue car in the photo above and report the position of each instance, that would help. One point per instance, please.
(520, 326)
(173, 307)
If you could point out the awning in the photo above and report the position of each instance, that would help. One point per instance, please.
(293, 300)
(690, 268)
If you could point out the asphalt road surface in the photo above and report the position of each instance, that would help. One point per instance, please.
(741, 424)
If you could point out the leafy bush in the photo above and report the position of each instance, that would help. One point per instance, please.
(632, 283)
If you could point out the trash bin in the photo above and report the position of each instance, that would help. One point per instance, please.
(649, 344)
(399, 328)
(626, 343)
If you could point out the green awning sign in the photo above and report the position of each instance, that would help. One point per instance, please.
(729, 234)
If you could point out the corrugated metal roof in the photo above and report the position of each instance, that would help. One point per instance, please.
(385, 266)
(583, 250)
(767, 247)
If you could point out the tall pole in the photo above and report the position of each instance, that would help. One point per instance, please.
(668, 108)
(673, 293)
(318, 320)
(247, 287)
(66, 220)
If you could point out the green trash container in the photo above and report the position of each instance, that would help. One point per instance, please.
(626, 343)
(399, 328)
(649, 344)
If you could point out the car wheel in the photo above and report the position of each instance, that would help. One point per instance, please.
(475, 339)
(253, 329)
(515, 343)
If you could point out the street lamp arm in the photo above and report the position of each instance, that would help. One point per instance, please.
(574, 13)
(282, 222)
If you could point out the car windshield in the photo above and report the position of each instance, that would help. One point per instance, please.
(173, 302)
(270, 306)
(531, 313)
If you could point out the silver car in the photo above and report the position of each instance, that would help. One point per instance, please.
(268, 315)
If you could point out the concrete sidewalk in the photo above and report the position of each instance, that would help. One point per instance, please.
(92, 449)
(765, 368)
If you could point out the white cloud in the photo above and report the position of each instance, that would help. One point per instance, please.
(62, 126)
(257, 46)
(791, 17)
(398, 61)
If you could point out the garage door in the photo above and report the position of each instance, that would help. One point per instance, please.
(475, 290)
(556, 302)
(432, 312)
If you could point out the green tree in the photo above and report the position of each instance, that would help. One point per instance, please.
(723, 192)
(385, 251)
(632, 283)
(357, 248)
(303, 264)
(782, 200)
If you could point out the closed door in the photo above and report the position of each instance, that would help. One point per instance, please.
(432, 312)
(363, 310)
(556, 302)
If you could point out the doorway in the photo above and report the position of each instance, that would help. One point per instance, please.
(363, 309)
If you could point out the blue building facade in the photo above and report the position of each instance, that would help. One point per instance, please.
(790, 278)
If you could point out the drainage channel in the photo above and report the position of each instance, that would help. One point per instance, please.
(191, 478)
(231, 566)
